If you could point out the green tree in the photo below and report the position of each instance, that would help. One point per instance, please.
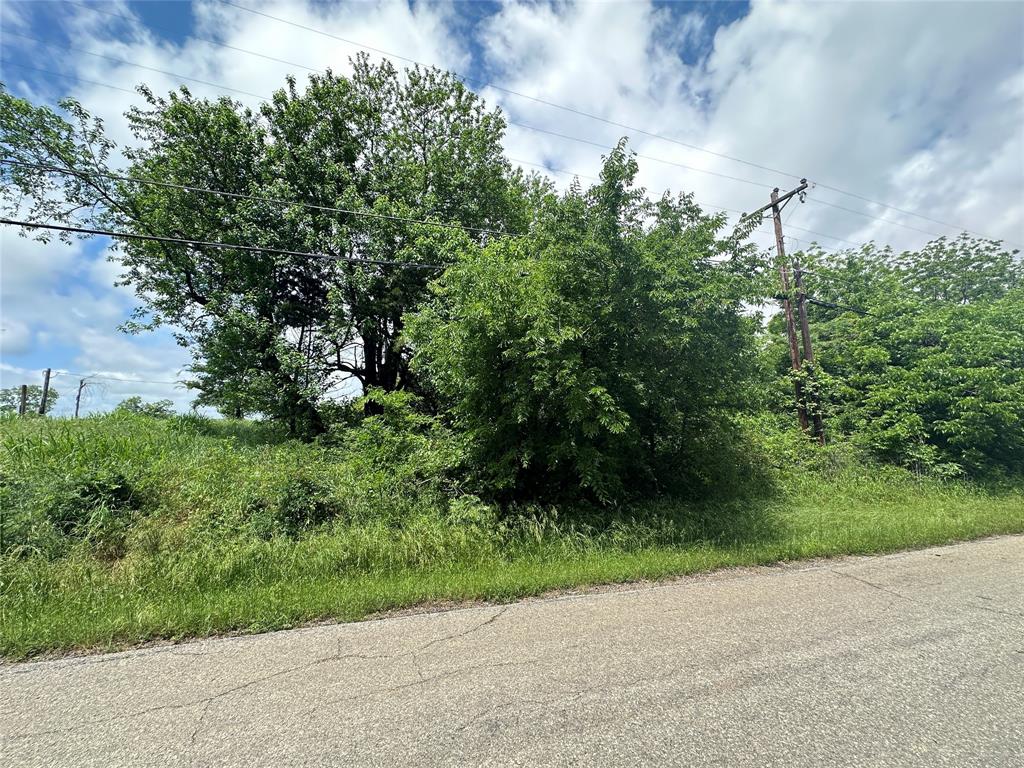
(922, 353)
(160, 409)
(602, 353)
(273, 333)
(10, 399)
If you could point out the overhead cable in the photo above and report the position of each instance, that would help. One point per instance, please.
(213, 244)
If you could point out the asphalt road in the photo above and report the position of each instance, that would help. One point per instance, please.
(910, 659)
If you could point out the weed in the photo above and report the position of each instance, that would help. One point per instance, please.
(122, 528)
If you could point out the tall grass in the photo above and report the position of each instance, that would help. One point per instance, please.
(122, 529)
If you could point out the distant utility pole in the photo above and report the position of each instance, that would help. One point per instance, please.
(46, 392)
(24, 400)
(778, 202)
(78, 397)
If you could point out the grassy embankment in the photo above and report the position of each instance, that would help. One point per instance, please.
(120, 530)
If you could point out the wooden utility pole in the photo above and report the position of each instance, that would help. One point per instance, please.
(775, 206)
(46, 392)
(818, 428)
(787, 308)
(24, 400)
(78, 397)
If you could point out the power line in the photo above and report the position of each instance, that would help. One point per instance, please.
(900, 210)
(833, 305)
(567, 172)
(552, 169)
(510, 122)
(822, 234)
(332, 36)
(717, 207)
(461, 77)
(211, 244)
(140, 66)
(518, 124)
(92, 8)
(281, 201)
(592, 116)
(358, 213)
(269, 98)
(897, 270)
(275, 200)
(368, 214)
(875, 218)
(115, 378)
(652, 158)
(811, 231)
(50, 72)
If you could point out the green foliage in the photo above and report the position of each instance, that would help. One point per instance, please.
(159, 409)
(66, 484)
(402, 440)
(271, 333)
(10, 399)
(120, 529)
(929, 373)
(590, 400)
(600, 353)
(303, 501)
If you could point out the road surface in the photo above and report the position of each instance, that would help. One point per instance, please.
(909, 659)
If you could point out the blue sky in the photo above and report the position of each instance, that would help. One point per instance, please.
(917, 105)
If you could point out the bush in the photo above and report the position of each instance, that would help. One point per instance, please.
(921, 355)
(590, 359)
(304, 501)
(160, 409)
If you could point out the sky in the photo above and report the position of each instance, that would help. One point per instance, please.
(917, 106)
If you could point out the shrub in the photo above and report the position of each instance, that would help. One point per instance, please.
(590, 358)
(303, 501)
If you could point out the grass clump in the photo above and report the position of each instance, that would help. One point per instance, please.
(125, 528)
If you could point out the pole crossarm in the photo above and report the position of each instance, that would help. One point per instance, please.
(780, 199)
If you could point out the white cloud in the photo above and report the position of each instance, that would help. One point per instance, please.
(54, 297)
(842, 93)
(15, 337)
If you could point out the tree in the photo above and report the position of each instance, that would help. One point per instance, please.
(159, 409)
(272, 333)
(922, 353)
(10, 399)
(599, 353)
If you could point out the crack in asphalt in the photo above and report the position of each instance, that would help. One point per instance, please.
(872, 584)
(195, 731)
(418, 682)
(167, 707)
(501, 612)
(894, 593)
(995, 610)
(568, 702)
(208, 700)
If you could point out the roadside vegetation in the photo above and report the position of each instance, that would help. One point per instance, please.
(126, 528)
(558, 388)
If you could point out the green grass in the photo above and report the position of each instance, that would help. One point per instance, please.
(123, 530)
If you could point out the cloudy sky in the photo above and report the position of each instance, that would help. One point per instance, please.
(916, 106)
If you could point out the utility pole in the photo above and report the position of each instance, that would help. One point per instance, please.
(78, 397)
(787, 307)
(46, 392)
(24, 400)
(818, 428)
(775, 206)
